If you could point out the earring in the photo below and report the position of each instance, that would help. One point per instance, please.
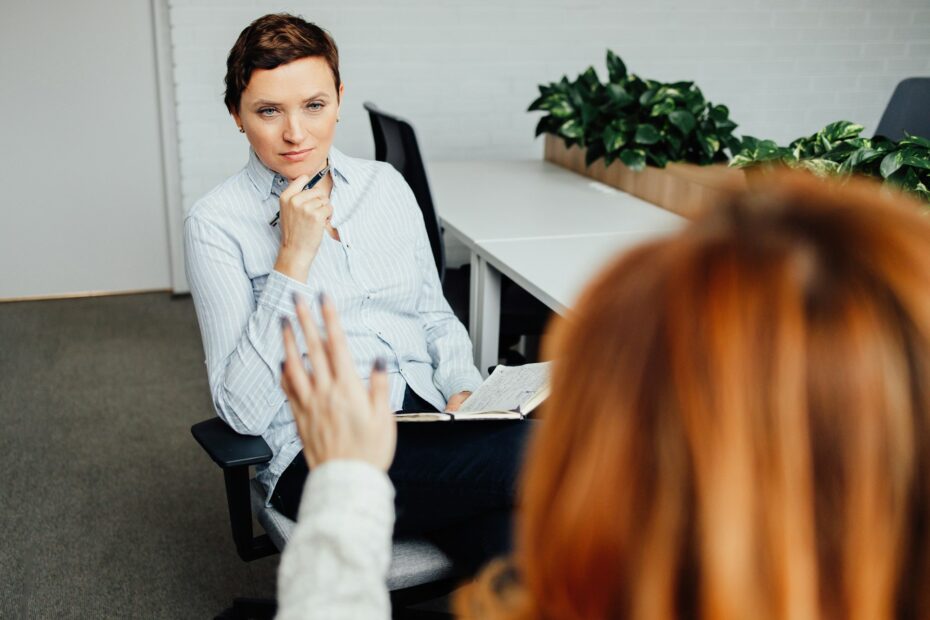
(338, 119)
(241, 130)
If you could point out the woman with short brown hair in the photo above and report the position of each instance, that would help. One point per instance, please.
(739, 427)
(303, 218)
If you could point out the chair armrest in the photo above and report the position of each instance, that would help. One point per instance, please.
(234, 453)
(228, 448)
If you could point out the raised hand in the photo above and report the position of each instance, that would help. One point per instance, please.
(305, 216)
(337, 417)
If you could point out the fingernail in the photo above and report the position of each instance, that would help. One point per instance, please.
(298, 299)
(379, 364)
(285, 323)
(322, 298)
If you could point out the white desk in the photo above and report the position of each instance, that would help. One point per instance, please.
(555, 270)
(491, 200)
(514, 215)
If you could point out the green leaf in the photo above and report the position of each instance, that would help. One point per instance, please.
(769, 149)
(749, 143)
(658, 158)
(726, 126)
(616, 70)
(542, 126)
(619, 96)
(635, 159)
(820, 167)
(593, 153)
(858, 158)
(561, 108)
(696, 104)
(719, 113)
(915, 140)
(841, 130)
(589, 78)
(891, 163)
(537, 103)
(662, 108)
(742, 160)
(572, 129)
(914, 157)
(647, 134)
(709, 144)
(588, 114)
(683, 120)
(613, 139)
(669, 92)
(732, 144)
(574, 96)
(649, 97)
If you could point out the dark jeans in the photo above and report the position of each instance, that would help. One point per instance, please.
(455, 484)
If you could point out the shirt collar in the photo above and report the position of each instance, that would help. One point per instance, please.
(269, 182)
(341, 164)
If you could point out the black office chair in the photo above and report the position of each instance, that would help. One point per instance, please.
(521, 313)
(419, 570)
(396, 143)
(907, 111)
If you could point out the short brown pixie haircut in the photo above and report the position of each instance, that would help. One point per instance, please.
(273, 40)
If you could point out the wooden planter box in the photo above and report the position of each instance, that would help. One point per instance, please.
(685, 189)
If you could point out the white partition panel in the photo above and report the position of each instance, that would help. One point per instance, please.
(81, 184)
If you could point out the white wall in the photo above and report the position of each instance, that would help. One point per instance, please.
(464, 72)
(80, 165)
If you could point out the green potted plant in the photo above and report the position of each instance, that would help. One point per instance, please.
(643, 136)
(838, 149)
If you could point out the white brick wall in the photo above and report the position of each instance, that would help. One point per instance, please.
(464, 72)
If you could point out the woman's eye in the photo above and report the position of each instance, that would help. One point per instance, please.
(315, 106)
(267, 111)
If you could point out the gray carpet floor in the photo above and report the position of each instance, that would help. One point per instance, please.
(108, 508)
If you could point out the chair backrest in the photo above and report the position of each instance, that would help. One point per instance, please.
(908, 110)
(396, 143)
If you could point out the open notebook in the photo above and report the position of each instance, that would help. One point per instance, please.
(510, 393)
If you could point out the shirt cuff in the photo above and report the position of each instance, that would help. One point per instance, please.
(463, 383)
(356, 485)
(279, 293)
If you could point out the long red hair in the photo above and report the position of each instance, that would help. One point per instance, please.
(738, 425)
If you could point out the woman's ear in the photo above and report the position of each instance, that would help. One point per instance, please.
(238, 121)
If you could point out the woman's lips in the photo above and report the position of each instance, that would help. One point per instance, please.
(296, 155)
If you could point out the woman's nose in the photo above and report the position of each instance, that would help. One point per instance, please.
(293, 132)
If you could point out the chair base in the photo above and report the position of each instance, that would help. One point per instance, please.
(249, 609)
(265, 609)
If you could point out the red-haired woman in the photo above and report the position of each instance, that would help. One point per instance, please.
(264, 235)
(743, 430)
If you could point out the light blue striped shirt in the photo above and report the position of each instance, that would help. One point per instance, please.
(380, 275)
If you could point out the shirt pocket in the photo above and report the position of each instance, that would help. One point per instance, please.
(394, 271)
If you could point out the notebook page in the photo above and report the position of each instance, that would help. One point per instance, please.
(508, 387)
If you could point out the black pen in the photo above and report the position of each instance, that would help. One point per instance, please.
(316, 179)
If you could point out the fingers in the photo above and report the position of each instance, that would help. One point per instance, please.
(312, 204)
(319, 362)
(295, 187)
(378, 390)
(311, 200)
(337, 346)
